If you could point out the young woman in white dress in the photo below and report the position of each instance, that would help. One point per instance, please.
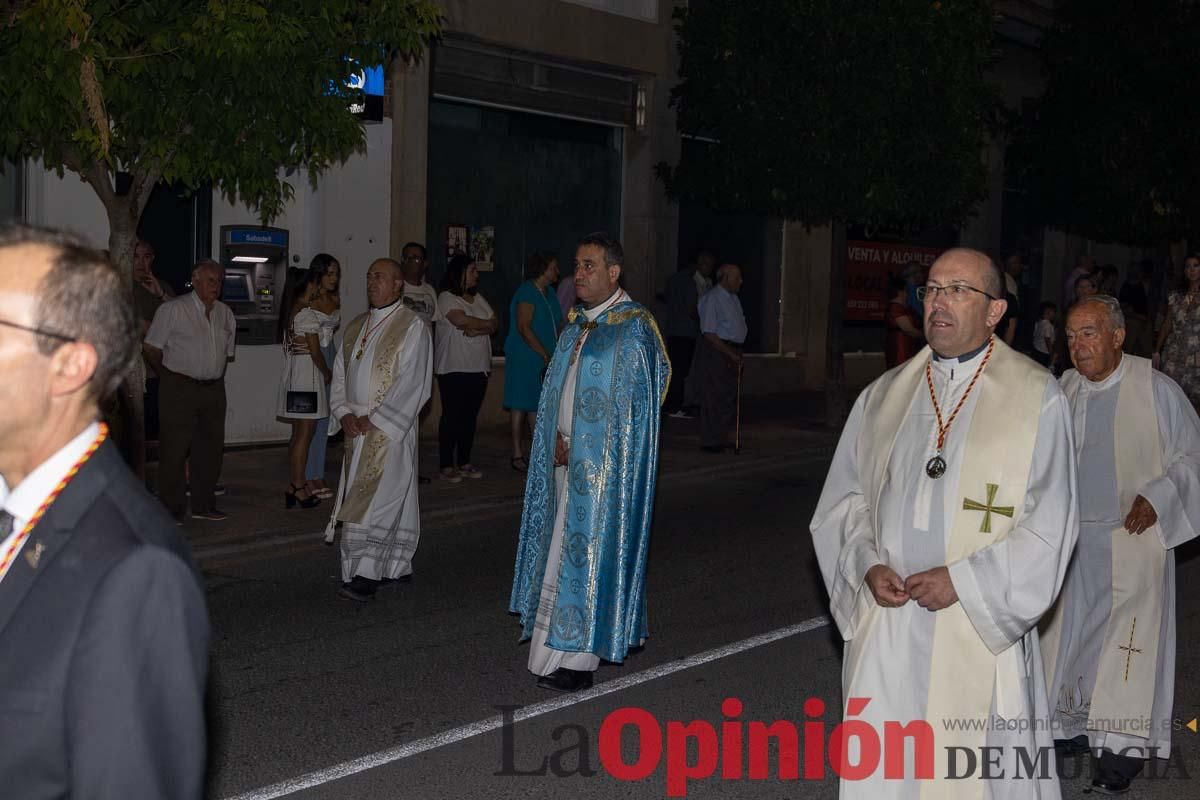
(303, 392)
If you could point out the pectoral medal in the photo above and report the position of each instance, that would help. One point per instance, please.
(936, 466)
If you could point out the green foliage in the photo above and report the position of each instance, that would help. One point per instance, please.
(824, 110)
(1110, 150)
(222, 91)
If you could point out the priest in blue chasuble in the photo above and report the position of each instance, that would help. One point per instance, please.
(589, 498)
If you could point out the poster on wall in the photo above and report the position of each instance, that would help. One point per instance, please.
(483, 247)
(868, 266)
(457, 240)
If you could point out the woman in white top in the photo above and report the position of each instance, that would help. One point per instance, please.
(303, 392)
(462, 360)
(326, 273)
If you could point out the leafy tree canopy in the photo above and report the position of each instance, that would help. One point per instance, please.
(822, 110)
(1111, 149)
(194, 91)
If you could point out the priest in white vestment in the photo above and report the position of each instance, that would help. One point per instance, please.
(381, 379)
(1109, 644)
(943, 533)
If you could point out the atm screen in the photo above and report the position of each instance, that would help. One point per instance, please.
(236, 288)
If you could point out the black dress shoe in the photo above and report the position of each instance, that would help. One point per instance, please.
(1110, 784)
(566, 680)
(359, 589)
(1114, 773)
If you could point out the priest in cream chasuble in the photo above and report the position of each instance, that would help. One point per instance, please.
(943, 533)
(381, 380)
(580, 582)
(1109, 644)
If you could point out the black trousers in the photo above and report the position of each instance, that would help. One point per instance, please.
(462, 397)
(191, 432)
(718, 394)
(680, 350)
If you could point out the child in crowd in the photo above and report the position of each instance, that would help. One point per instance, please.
(1043, 337)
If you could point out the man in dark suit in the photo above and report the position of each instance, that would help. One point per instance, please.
(103, 627)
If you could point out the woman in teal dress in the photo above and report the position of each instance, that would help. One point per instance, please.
(535, 319)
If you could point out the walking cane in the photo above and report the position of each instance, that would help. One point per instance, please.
(737, 424)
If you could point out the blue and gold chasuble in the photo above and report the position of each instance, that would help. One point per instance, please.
(612, 466)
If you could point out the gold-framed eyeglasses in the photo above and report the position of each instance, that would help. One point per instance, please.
(39, 331)
(953, 292)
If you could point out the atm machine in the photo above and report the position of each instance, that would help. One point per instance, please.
(255, 260)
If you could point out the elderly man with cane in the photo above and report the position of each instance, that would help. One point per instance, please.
(718, 358)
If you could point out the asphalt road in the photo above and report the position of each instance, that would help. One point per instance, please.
(315, 697)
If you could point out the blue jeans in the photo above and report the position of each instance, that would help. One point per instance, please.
(315, 469)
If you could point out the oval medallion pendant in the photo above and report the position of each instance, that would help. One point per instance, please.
(935, 467)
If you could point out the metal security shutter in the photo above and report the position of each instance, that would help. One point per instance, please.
(465, 69)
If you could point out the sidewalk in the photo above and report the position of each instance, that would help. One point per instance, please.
(774, 429)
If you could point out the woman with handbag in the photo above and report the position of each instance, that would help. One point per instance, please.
(326, 274)
(303, 397)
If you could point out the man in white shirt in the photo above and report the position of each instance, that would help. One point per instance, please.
(719, 356)
(189, 344)
(102, 618)
(419, 296)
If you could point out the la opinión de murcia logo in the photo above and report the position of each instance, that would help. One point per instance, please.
(633, 745)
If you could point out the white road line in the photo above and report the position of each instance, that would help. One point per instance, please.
(383, 757)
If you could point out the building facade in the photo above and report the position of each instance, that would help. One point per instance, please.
(527, 126)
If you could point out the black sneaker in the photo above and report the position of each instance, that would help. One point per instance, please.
(218, 490)
(213, 515)
(359, 589)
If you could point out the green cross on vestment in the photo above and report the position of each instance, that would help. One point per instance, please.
(987, 508)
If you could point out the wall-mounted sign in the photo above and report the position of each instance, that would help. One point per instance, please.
(483, 247)
(458, 240)
(367, 106)
(868, 265)
(272, 238)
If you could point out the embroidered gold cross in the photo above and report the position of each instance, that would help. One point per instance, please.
(988, 509)
(1129, 649)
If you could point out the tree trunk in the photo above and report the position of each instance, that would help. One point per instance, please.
(836, 404)
(126, 412)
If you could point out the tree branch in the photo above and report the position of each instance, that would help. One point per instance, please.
(96, 174)
(136, 56)
(144, 181)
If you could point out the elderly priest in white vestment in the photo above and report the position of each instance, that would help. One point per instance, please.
(943, 533)
(1109, 645)
(381, 380)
